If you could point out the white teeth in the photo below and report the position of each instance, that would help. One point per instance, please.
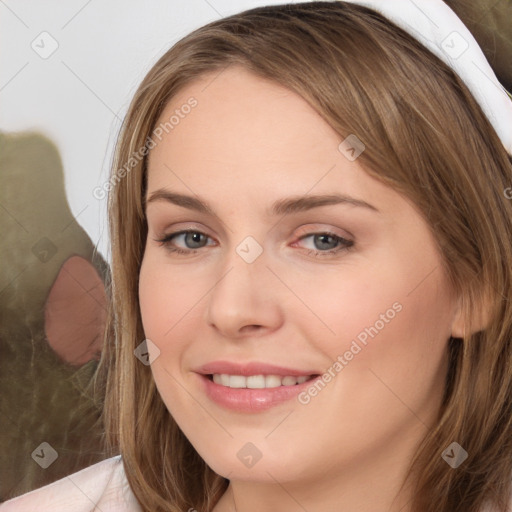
(257, 381)
(237, 381)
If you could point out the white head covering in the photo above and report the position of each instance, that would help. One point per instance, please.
(439, 29)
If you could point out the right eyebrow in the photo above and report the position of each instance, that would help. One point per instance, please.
(183, 200)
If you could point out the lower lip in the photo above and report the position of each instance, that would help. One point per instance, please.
(251, 400)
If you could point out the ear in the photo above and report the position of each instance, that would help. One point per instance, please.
(75, 312)
(479, 317)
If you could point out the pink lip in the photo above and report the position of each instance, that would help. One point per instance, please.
(251, 400)
(252, 368)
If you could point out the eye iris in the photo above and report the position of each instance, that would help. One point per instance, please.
(193, 237)
(322, 237)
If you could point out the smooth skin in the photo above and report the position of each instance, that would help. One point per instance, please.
(247, 143)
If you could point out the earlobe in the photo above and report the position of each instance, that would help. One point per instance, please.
(458, 327)
(477, 320)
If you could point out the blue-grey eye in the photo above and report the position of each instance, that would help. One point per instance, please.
(322, 241)
(193, 239)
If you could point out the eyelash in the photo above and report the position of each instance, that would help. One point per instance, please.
(346, 244)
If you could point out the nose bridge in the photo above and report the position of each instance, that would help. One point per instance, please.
(243, 294)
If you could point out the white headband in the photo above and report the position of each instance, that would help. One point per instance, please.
(438, 28)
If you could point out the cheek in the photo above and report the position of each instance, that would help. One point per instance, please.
(352, 302)
(393, 346)
(166, 307)
(379, 317)
(386, 355)
(166, 298)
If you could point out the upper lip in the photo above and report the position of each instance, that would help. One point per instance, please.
(251, 368)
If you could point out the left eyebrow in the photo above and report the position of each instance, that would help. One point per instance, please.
(303, 203)
(280, 207)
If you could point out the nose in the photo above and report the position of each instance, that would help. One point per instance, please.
(245, 299)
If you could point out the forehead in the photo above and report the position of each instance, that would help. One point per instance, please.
(237, 112)
(241, 123)
(248, 140)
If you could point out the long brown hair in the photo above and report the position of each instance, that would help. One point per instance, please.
(428, 139)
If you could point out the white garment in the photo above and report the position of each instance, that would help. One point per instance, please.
(102, 487)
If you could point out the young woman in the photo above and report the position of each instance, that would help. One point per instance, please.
(310, 216)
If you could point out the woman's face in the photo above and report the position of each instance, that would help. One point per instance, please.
(371, 309)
